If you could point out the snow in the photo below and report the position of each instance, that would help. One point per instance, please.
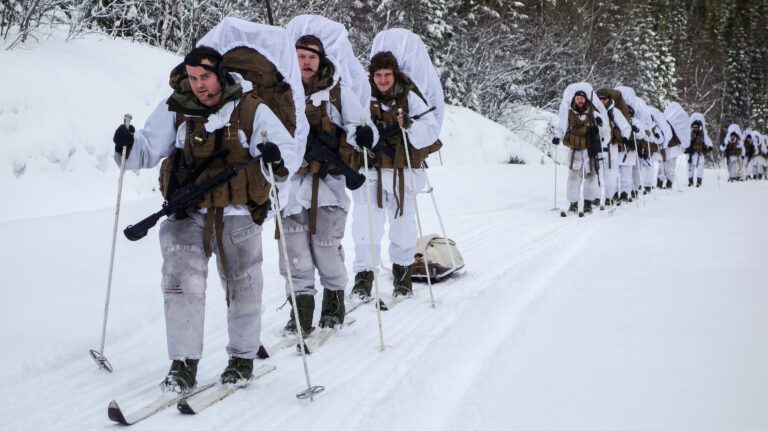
(650, 318)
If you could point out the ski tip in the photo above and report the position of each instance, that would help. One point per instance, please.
(115, 414)
(184, 407)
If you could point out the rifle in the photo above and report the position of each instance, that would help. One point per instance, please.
(393, 130)
(184, 198)
(323, 147)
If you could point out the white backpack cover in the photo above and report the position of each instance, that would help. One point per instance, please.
(437, 251)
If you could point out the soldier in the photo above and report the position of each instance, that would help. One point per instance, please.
(733, 151)
(700, 146)
(618, 116)
(316, 213)
(398, 110)
(583, 126)
(211, 121)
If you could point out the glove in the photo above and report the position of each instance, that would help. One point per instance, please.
(656, 135)
(599, 121)
(555, 141)
(270, 153)
(123, 138)
(407, 121)
(364, 136)
(624, 141)
(635, 129)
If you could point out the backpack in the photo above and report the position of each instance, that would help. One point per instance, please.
(437, 251)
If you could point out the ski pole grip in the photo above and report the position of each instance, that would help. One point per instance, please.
(127, 120)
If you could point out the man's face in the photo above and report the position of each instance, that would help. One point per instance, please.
(605, 101)
(580, 101)
(309, 63)
(747, 140)
(205, 84)
(384, 79)
(734, 137)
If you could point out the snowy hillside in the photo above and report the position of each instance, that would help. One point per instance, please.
(652, 318)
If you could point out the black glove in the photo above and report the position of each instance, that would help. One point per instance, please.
(123, 137)
(407, 121)
(556, 141)
(624, 141)
(270, 153)
(599, 121)
(656, 135)
(635, 129)
(364, 136)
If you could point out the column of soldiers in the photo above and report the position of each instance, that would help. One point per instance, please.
(621, 148)
(293, 110)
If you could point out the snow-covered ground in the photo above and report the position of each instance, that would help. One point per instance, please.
(652, 318)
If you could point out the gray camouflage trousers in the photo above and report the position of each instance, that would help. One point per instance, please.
(185, 270)
(322, 250)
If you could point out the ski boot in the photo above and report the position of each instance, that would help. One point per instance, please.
(363, 286)
(587, 206)
(332, 313)
(573, 208)
(659, 183)
(698, 182)
(646, 190)
(181, 377)
(402, 280)
(625, 197)
(238, 372)
(690, 181)
(306, 305)
(669, 184)
(596, 202)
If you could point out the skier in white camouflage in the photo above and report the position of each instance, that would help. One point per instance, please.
(732, 149)
(583, 126)
(316, 213)
(185, 130)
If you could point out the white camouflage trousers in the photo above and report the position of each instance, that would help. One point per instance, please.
(610, 173)
(185, 272)
(752, 166)
(580, 171)
(696, 166)
(667, 169)
(322, 250)
(403, 231)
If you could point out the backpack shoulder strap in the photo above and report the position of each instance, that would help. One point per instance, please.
(247, 107)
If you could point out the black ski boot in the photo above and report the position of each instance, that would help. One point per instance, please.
(332, 313)
(573, 208)
(306, 305)
(238, 371)
(659, 183)
(587, 206)
(402, 280)
(669, 184)
(363, 285)
(646, 190)
(181, 377)
(625, 197)
(698, 182)
(608, 202)
(596, 202)
(690, 181)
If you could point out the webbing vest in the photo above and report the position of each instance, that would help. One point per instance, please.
(697, 143)
(616, 137)
(248, 187)
(749, 149)
(388, 118)
(732, 150)
(576, 136)
(320, 121)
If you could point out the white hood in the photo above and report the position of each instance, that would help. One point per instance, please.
(337, 46)
(680, 122)
(274, 44)
(734, 128)
(698, 116)
(661, 125)
(413, 59)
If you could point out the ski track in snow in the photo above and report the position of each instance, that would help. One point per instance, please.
(434, 359)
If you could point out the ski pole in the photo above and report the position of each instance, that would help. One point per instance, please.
(554, 163)
(416, 207)
(98, 356)
(311, 391)
(374, 255)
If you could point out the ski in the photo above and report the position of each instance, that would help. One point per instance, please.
(166, 399)
(201, 400)
(318, 338)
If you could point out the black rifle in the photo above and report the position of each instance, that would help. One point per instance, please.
(188, 196)
(394, 130)
(323, 147)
